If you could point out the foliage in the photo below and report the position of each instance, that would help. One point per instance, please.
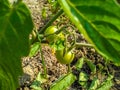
(79, 63)
(54, 5)
(96, 83)
(34, 49)
(99, 24)
(63, 82)
(91, 66)
(106, 85)
(94, 18)
(36, 85)
(15, 27)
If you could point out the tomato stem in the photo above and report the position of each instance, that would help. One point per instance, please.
(41, 30)
(74, 42)
(69, 68)
(83, 44)
(43, 61)
(80, 45)
(65, 43)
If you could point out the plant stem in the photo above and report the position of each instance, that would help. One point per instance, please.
(83, 44)
(41, 30)
(51, 21)
(65, 44)
(69, 69)
(74, 42)
(80, 45)
(43, 61)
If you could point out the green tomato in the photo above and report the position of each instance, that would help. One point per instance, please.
(51, 30)
(64, 58)
(53, 37)
(61, 36)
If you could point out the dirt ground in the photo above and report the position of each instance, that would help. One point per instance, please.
(32, 66)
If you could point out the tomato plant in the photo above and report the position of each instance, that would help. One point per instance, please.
(98, 27)
(94, 18)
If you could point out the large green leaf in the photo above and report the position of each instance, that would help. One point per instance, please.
(15, 27)
(99, 21)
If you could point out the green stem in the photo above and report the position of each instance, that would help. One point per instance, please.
(43, 61)
(83, 44)
(80, 45)
(69, 68)
(51, 21)
(41, 30)
(65, 44)
(74, 42)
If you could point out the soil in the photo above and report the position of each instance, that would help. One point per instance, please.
(33, 65)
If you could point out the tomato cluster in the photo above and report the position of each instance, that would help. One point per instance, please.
(64, 57)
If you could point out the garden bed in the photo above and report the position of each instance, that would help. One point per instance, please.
(33, 65)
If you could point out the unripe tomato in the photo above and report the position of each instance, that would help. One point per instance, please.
(61, 36)
(64, 58)
(51, 30)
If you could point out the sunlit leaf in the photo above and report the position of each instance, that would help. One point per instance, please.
(99, 21)
(79, 63)
(83, 78)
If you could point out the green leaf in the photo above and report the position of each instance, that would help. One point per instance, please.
(64, 82)
(99, 24)
(36, 85)
(95, 83)
(107, 84)
(15, 26)
(83, 78)
(44, 13)
(91, 66)
(40, 77)
(34, 49)
(58, 45)
(79, 63)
